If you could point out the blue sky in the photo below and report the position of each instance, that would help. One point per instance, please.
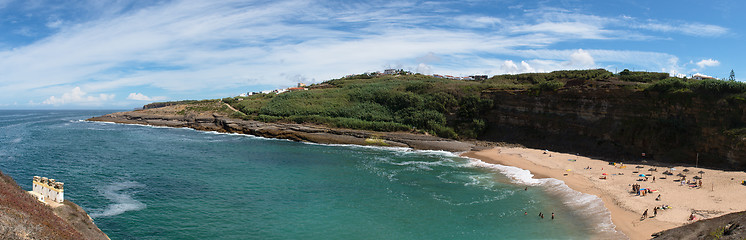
(123, 54)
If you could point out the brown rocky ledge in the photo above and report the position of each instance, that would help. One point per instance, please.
(169, 117)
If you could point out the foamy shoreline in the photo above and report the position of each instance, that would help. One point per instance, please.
(718, 196)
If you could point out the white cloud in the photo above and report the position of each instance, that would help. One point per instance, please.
(581, 59)
(424, 69)
(477, 21)
(694, 29)
(54, 23)
(77, 96)
(142, 97)
(192, 47)
(708, 63)
(429, 58)
(509, 67)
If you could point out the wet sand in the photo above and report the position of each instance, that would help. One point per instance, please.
(718, 195)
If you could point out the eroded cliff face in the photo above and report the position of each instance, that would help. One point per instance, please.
(619, 124)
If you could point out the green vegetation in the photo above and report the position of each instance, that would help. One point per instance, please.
(438, 106)
(556, 76)
(405, 102)
(646, 77)
(212, 105)
(708, 88)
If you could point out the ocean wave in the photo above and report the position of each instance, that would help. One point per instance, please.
(122, 199)
(588, 206)
(517, 175)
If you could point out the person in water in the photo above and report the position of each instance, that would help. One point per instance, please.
(552, 216)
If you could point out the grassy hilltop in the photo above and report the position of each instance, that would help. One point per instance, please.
(439, 106)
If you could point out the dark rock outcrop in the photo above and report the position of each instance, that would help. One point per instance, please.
(730, 226)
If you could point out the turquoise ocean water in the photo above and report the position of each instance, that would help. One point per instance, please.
(140, 182)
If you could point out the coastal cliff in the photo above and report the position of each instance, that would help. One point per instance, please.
(23, 217)
(616, 117)
(618, 123)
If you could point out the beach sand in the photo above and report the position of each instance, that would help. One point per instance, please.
(721, 191)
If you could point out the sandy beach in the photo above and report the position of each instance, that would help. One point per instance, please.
(721, 192)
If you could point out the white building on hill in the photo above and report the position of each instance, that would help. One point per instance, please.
(699, 76)
(48, 189)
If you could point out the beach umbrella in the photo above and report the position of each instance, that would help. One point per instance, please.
(700, 173)
(686, 170)
(642, 175)
(697, 177)
(673, 169)
(639, 166)
(681, 175)
(651, 169)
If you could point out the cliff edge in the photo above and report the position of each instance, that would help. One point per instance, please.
(24, 217)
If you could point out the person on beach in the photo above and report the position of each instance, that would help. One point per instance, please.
(658, 198)
(699, 183)
(644, 215)
(655, 211)
(653, 178)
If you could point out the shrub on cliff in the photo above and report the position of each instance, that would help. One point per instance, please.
(669, 85)
(708, 88)
(646, 77)
(548, 86)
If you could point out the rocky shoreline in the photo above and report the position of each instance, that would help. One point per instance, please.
(296, 132)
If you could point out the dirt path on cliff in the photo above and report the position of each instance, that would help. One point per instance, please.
(231, 107)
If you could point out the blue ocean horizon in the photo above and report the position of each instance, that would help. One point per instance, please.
(142, 182)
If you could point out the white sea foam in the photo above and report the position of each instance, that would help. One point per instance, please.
(121, 198)
(588, 206)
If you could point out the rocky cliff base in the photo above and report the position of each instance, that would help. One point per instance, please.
(173, 116)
